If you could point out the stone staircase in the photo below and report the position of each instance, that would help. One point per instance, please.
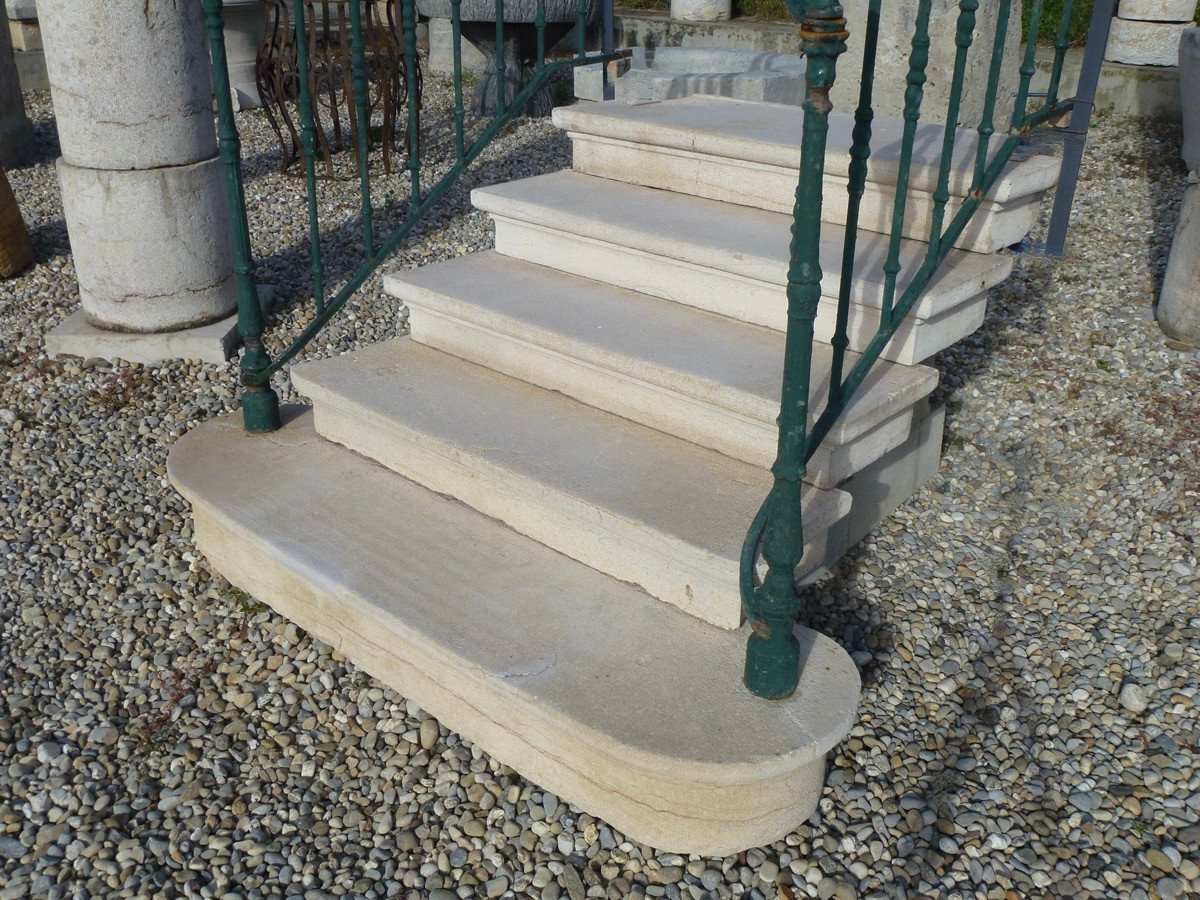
(527, 516)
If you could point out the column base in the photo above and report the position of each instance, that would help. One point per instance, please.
(215, 342)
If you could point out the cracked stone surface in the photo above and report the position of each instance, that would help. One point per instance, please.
(164, 735)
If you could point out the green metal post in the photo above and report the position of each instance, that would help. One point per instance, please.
(772, 651)
(539, 24)
(1020, 114)
(860, 153)
(460, 141)
(501, 92)
(914, 94)
(358, 72)
(987, 121)
(408, 16)
(964, 36)
(581, 28)
(260, 404)
(308, 142)
(1061, 44)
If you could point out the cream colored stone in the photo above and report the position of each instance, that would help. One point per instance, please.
(638, 717)
(130, 81)
(726, 258)
(630, 501)
(152, 247)
(26, 36)
(701, 377)
(700, 10)
(1140, 43)
(1158, 10)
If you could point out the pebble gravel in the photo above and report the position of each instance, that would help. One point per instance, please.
(1027, 625)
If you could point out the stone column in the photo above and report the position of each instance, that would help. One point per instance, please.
(1147, 32)
(16, 134)
(143, 190)
(1179, 303)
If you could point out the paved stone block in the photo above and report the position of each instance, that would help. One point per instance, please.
(31, 70)
(727, 259)
(141, 119)
(701, 377)
(1145, 43)
(638, 717)
(749, 154)
(152, 247)
(212, 343)
(1158, 10)
(630, 501)
(25, 35)
(21, 9)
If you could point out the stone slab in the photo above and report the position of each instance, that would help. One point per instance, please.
(114, 104)
(212, 343)
(632, 502)
(31, 70)
(743, 241)
(1158, 10)
(1123, 90)
(1145, 43)
(441, 51)
(1179, 303)
(1189, 86)
(648, 28)
(152, 247)
(639, 718)
(701, 377)
(21, 9)
(748, 153)
(25, 35)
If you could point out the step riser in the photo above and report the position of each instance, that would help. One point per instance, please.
(736, 296)
(699, 583)
(751, 441)
(993, 227)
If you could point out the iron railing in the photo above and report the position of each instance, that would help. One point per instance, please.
(776, 535)
(260, 403)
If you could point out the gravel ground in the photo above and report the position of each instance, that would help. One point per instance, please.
(1027, 626)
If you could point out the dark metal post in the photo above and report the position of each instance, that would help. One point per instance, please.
(606, 46)
(772, 652)
(1075, 134)
(260, 404)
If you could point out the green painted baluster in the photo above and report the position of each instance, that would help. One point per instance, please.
(539, 24)
(358, 71)
(501, 93)
(1020, 114)
(1061, 43)
(963, 38)
(460, 144)
(581, 28)
(860, 152)
(913, 96)
(987, 121)
(772, 651)
(260, 404)
(308, 142)
(408, 17)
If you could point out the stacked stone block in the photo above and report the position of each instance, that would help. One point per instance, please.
(1147, 32)
(143, 190)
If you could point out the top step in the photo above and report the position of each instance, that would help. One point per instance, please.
(749, 153)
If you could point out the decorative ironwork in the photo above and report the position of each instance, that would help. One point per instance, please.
(348, 82)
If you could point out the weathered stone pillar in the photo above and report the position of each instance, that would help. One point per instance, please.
(701, 10)
(1179, 303)
(142, 187)
(16, 134)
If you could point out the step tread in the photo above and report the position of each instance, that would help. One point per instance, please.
(514, 645)
(770, 133)
(743, 240)
(631, 501)
(733, 365)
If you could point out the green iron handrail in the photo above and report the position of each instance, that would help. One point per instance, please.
(260, 403)
(772, 655)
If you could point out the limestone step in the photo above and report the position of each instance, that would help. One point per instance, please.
(637, 504)
(749, 153)
(729, 259)
(622, 705)
(703, 377)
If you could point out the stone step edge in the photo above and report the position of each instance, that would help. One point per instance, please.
(671, 804)
(605, 539)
